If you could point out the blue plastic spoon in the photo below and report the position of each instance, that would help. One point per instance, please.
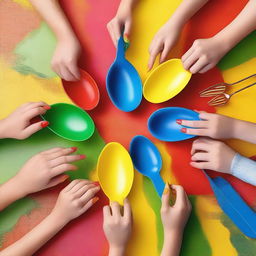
(147, 160)
(233, 205)
(163, 126)
(124, 85)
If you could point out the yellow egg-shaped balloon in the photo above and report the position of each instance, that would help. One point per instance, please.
(166, 81)
(115, 172)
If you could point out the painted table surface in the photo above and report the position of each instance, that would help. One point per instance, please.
(25, 75)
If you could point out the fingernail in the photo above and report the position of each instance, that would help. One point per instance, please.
(178, 121)
(44, 124)
(126, 38)
(47, 107)
(64, 177)
(96, 183)
(95, 199)
(74, 149)
(166, 189)
(82, 156)
(184, 130)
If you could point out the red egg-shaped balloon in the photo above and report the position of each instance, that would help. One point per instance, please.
(84, 93)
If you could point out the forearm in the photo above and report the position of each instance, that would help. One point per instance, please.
(240, 27)
(244, 130)
(244, 169)
(52, 13)
(172, 243)
(10, 191)
(114, 251)
(36, 238)
(186, 10)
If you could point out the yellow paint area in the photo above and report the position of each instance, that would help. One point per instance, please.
(242, 105)
(166, 171)
(24, 3)
(17, 89)
(218, 236)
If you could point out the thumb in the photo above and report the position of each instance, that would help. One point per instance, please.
(127, 30)
(57, 180)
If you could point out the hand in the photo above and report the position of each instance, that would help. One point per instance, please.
(117, 227)
(65, 58)
(46, 169)
(75, 199)
(211, 125)
(174, 218)
(204, 54)
(122, 22)
(212, 155)
(163, 42)
(18, 126)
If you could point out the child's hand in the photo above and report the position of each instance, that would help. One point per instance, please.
(117, 227)
(204, 55)
(174, 218)
(18, 126)
(163, 42)
(212, 155)
(211, 125)
(65, 58)
(75, 199)
(122, 22)
(46, 169)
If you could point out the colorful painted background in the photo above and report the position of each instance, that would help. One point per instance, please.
(26, 47)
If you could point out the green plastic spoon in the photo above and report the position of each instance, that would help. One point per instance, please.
(69, 122)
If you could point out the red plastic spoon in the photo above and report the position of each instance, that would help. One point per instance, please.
(84, 93)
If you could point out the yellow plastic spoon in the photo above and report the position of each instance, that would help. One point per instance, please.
(166, 81)
(115, 172)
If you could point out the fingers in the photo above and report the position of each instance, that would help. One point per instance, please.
(187, 54)
(200, 157)
(180, 195)
(66, 159)
(60, 152)
(194, 124)
(74, 70)
(85, 188)
(165, 52)
(33, 128)
(194, 131)
(57, 180)
(127, 210)
(73, 183)
(115, 208)
(206, 68)
(166, 198)
(31, 113)
(156, 49)
(89, 194)
(89, 204)
(66, 74)
(200, 145)
(106, 212)
(199, 64)
(201, 165)
(190, 60)
(127, 28)
(63, 168)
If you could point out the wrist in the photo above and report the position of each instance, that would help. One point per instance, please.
(116, 250)
(58, 218)
(3, 129)
(171, 233)
(224, 41)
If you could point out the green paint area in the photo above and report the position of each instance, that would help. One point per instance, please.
(10, 216)
(35, 52)
(155, 203)
(194, 240)
(241, 53)
(14, 153)
(244, 245)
